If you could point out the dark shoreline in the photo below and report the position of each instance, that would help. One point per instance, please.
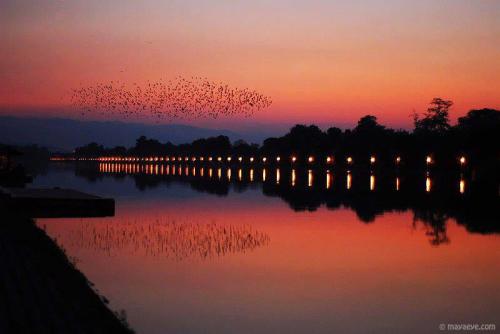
(41, 289)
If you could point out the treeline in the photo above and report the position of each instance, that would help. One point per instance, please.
(476, 136)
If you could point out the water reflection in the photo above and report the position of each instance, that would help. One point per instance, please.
(446, 192)
(428, 183)
(304, 238)
(179, 170)
(162, 238)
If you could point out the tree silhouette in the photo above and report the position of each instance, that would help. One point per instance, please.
(436, 119)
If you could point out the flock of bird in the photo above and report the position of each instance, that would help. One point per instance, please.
(178, 98)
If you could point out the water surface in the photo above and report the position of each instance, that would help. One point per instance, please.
(268, 251)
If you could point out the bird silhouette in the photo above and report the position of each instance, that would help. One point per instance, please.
(183, 98)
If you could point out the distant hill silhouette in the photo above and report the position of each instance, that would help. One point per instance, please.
(66, 134)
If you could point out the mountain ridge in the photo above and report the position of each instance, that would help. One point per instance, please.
(65, 134)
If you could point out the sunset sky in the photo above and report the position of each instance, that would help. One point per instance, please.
(326, 62)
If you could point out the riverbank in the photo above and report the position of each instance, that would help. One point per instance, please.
(42, 291)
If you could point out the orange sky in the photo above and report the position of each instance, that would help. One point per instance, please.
(325, 62)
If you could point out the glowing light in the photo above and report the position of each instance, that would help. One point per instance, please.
(219, 173)
(186, 158)
(219, 158)
(349, 160)
(398, 159)
(240, 159)
(372, 159)
(462, 160)
(278, 176)
(462, 186)
(202, 158)
(428, 159)
(310, 159)
(278, 159)
(309, 178)
(329, 160)
(264, 174)
(397, 183)
(294, 158)
(264, 159)
(349, 181)
(210, 173)
(240, 174)
(251, 159)
(372, 182)
(428, 184)
(193, 159)
(210, 159)
(229, 174)
(328, 179)
(251, 175)
(294, 177)
(229, 159)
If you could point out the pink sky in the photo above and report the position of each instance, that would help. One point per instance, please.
(325, 62)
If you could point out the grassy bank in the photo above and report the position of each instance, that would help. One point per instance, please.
(41, 291)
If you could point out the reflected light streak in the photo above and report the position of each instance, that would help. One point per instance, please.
(309, 178)
(428, 184)
(264, 173)
(328, 180)
(349, 181)
(278, 176)
(294, 177)
(372, 182)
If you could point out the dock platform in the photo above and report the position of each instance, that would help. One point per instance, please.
(56, 202)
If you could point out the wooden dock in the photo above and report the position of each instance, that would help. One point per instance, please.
(55, 202)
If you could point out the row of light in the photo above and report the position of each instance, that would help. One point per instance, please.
(149, 169)
(329, 160)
